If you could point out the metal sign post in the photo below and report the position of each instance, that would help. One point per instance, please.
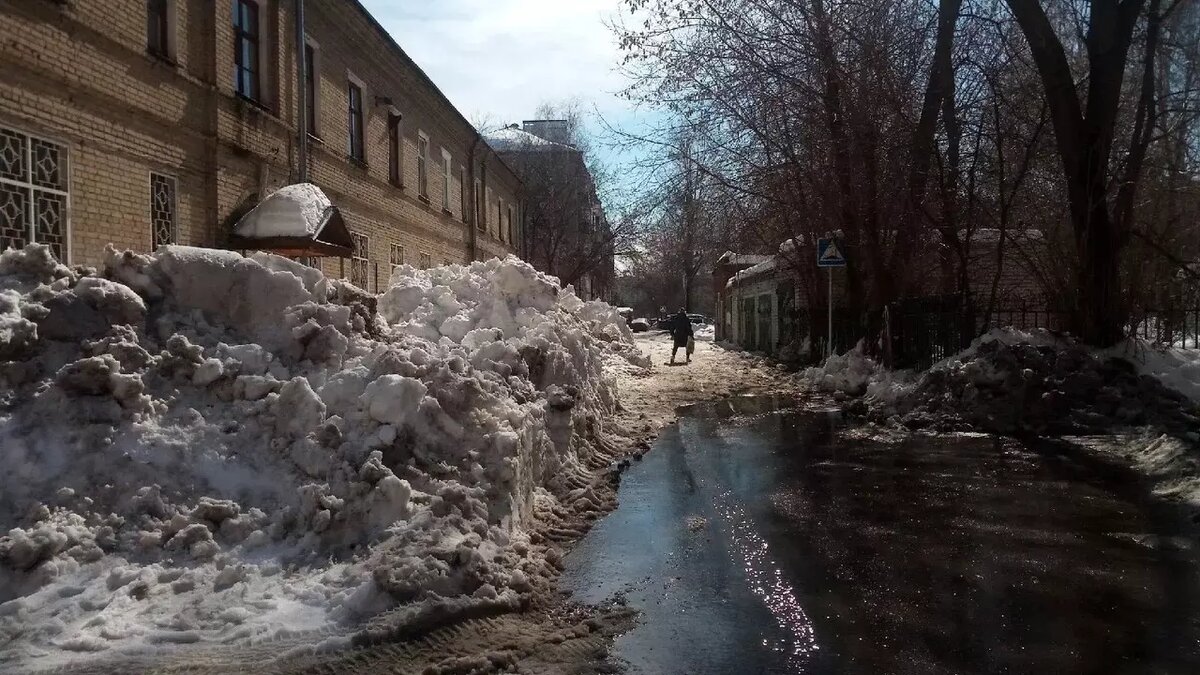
(829, 255)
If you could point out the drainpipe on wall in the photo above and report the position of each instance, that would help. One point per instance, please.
(473, 225)
(301, 98)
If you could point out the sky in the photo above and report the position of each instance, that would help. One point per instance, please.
(497, 60)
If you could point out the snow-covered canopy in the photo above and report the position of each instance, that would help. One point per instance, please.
(296, 219)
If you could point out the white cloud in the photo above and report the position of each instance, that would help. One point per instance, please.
(500, 59)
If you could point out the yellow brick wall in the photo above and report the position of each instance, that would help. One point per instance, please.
(79, 74)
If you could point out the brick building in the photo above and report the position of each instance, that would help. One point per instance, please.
(567, 233)
(146, 122)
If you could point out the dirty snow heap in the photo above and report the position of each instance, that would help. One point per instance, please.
(205, 448)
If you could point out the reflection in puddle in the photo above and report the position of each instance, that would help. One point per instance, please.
(756, 541)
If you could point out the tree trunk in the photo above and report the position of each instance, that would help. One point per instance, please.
(1084, 138)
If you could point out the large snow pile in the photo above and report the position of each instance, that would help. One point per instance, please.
(205, 448)
(857, 374)
(1177, 367)
(1010, 381)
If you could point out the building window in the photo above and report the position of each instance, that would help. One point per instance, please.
(313, 261)
(426, 261)
(162, 210)
(355, 97)
(395, 138)
(246, 69)
(446, 166)
(499, 231)
(33, 192)
(310, 87)
(158, 28)
(396, 256)
(360, 251)
(462, 192)
(512, 233)
(422, 165)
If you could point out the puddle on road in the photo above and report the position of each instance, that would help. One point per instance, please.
(753, 540)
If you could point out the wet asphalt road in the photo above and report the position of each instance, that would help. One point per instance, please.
(758, 541)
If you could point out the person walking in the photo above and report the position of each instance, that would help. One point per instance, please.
(681, 335)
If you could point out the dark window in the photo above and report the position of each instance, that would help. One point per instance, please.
(245, 45)
(394, 149)
(356, 122)
(310, 88)
(462, 192)
(156, 27)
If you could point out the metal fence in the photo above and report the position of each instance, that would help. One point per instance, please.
(918, 332)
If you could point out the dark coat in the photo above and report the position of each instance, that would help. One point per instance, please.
(681, 329)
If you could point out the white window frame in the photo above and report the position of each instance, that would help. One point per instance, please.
(393, 258)
(447, 178)
(422, 164)
(154, 244)
(67, 233)
(173, 31)
(315, 131)
(357, 81)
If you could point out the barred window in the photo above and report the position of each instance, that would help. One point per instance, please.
(162, 210)
(426, 261)
(359, 255)
(33, 192)
(396, 256)
(313, 261)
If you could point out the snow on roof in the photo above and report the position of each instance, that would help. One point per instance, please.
(291, 211)
(290, 216)
(991, 235)
(731, 258)
(513, 139)
(761, 269)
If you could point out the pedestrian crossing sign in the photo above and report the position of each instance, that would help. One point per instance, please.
(829, 253)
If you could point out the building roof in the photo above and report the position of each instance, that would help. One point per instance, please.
(761, 269)
(738, 259)
(512, 139)
(421, 73)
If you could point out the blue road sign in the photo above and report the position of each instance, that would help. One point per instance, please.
(829, 253)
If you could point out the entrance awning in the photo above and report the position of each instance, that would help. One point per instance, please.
(295, 220)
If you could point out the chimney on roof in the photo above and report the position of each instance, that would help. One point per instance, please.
(555, 131)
